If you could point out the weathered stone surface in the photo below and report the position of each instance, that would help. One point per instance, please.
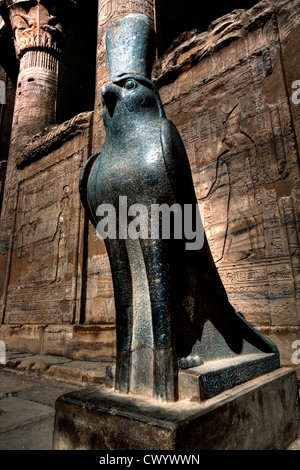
(37, 37)
(30, 338)
(81, 342)
(44, 271)
(229, 92)
(52, 138)
(7, 99)
(261, 414)
(38, 34)
(14, 408)
(58, 368)
(27, 411)
(58, 339)
(288, 342)
(94, 342)
(30, 436)
(99, 294)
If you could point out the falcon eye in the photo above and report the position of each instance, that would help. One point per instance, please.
(130, 85)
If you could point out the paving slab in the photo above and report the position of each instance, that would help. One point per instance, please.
(16, 412)
(12, 384)
(33, 436)
(11, 354)
(27, 409)
(46, 394)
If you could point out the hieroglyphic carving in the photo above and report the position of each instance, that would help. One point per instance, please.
(288, 19)
(110, 10)
(245, 165)
(99, 292)
(201, 134)
(290, 219)
(278, 139)
(46, 238)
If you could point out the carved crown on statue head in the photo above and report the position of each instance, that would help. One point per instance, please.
(130, 46)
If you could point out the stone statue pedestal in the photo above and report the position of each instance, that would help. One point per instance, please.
(260, 414)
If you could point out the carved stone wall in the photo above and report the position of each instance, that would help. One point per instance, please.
(229, 91)
(44, 295)
(37, 35)
(44, 264)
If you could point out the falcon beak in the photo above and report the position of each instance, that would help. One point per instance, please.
(110, 95)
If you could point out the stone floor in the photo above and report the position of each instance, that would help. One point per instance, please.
(29, 387)
(27, 411)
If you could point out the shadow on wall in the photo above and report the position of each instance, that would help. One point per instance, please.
(174, 17)
(76, 88)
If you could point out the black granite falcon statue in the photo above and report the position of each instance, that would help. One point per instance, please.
(172, 310)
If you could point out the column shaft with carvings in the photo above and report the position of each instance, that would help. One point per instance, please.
(37, 33)
(37, 38)
(109, 12)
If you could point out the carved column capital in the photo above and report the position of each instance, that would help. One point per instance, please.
(37, 24)
(37, 27)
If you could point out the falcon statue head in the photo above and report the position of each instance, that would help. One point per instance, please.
(131, 50)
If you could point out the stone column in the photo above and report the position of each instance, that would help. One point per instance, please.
(37, 35)
(37, 28)
(109, 12)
